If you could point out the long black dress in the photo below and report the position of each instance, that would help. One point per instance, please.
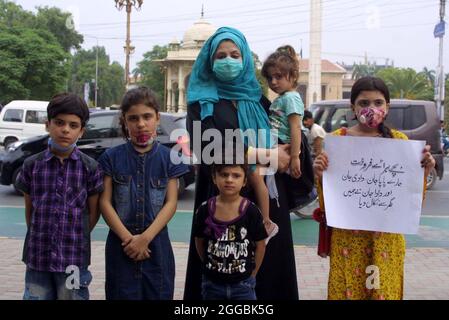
(276, 279)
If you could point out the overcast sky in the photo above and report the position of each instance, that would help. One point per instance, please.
(398, 30)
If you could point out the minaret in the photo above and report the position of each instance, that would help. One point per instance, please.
(314, 88)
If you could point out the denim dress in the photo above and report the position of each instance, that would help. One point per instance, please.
(139, 189)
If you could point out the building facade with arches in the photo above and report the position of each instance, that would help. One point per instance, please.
(178, 64)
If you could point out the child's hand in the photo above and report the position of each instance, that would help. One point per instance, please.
(127, 240)
(295, 167)
(143, 256)
(320, 164)
(137, 248)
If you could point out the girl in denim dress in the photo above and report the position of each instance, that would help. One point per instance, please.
(139, 200)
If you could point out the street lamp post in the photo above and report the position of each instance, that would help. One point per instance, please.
(96, 76)
(439, 76)
(128, 4)
(96, 88)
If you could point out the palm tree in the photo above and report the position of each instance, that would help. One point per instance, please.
(430, 75)
(363, 70)
(407, 84)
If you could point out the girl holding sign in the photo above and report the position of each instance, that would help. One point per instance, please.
(364, 264)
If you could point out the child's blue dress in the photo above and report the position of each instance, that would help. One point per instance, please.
(139, 189)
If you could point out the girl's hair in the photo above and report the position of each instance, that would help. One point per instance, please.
(217, 168)
(286, 60)
(230, 159)
(372, 84)
(140, 95)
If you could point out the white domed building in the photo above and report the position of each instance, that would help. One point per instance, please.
(179, 61)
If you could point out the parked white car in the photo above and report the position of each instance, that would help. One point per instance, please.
(21, 119)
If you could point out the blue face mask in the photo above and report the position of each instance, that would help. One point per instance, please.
(227, 69)
(59, 148)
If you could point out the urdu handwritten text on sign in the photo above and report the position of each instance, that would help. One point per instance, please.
(373, 184)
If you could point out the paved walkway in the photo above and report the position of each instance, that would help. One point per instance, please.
(426, 272)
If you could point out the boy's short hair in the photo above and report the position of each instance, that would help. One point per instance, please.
(307, 115)
(68, 103)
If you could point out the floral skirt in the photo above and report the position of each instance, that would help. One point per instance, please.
(366, 265)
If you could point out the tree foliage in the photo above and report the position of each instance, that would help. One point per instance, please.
(60, 24)
(406, 83)
(258, 69)
(50, 19)
(12, 15)
(32, 64)
(34, 51)
(111, 83)
(430, 75)
(363, 70)
(152, 73)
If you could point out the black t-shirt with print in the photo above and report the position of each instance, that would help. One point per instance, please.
(230, 258)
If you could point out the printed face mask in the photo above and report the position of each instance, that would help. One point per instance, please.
(227, 69)
(144, 140)
(371, 117)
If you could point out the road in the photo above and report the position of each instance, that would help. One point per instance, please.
(436, 203)
(434, 230)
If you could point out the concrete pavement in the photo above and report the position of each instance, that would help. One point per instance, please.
(426, 271)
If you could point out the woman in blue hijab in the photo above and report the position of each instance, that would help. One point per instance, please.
(223, 93)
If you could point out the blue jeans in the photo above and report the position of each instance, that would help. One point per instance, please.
(42, 285)
(243, 290)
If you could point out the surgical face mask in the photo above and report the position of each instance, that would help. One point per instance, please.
(371, 117)
(227, 69)
(60, 148)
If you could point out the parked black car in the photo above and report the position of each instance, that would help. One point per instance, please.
(417, 119)
(102, 132)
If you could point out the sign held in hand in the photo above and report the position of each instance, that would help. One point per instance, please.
(373, 184)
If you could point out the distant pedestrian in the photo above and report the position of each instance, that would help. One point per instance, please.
(139, 199)
(444, 139)
(315, 135)
(353, 251)
(61, 186)
(229, 237)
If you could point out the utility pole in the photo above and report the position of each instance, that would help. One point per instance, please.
(96, 77)
(439, 79)
(314, 85)
(96, 88)
(128, 48)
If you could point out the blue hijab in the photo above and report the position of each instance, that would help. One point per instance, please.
(207, 89)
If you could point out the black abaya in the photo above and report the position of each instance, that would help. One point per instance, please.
(276, 279)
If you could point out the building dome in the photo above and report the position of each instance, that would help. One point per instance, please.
(197, 34)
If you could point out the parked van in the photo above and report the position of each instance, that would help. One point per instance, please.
(417, 119)
(22, 119)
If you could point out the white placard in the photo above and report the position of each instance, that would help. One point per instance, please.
(373, 184)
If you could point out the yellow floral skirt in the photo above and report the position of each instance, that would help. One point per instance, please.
(366, 265)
